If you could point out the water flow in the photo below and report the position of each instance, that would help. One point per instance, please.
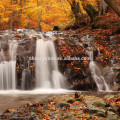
(95, 70)
(8, 68)
(47, 73)
(96, 74)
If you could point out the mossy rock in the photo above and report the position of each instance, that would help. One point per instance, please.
(109, 97)
(64, 104)
(79, 99)
(100, 103)
(71, 100)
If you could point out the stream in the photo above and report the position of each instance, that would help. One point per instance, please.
(24, 77)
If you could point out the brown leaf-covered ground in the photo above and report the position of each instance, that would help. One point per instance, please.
(67, 107)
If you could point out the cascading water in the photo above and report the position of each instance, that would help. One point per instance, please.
(47, 73)
(8, 68)
(26, 83)
(96, 73)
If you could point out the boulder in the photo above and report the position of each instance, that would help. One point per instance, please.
(112, 115)
(100, 103)
(109, 97)
(71, 100)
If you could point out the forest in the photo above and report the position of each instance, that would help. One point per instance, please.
(44, 14)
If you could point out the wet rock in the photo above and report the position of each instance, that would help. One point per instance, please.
(34, 38)
(118, 76)
(95, 52)
(20, 30)
(85, 45)
(109, 75)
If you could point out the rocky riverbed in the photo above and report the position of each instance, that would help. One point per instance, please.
(61, 107)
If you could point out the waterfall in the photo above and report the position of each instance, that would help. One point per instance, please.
(95, 70)
(96, 73)
(47, 73)
(8, 68)
(98, 78)
(26, 83)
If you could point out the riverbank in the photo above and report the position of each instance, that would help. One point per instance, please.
(14, 101)
(104, 107)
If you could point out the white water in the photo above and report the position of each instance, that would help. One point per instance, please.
(47, 73)
(96, 74)
(8, 69)
(95, 70)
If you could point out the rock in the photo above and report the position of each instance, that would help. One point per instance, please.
(34, 38)
(94, 104)
(92, 109)
(64, 104)
(80, 98)
(109, 97)
(85, 45)
(10, 110)
(113, 106)
(100, 113)
(71, 100)
(95, 52)
(112, 115)
(20, 30)
(100, 103)
(77, 94)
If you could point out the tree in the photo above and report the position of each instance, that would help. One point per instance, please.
(103, 7)
(114, 5)
(39, 14)
(75, 7)
(89, 8)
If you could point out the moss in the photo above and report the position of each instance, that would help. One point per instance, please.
(64, 104)
(100, 103)
(79, 99)
(71, 100)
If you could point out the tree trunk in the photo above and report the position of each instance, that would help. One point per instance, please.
(113, 4)
(11, 22)
(92, 13)
(39, 15)
(28, 25)
(77, 13)
(103, 7)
